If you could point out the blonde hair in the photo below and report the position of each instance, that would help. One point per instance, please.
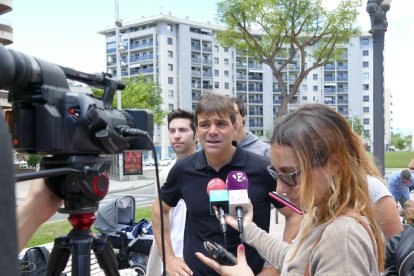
(316, 133)
(409, 211)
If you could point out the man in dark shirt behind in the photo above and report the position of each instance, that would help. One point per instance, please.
(216, 127)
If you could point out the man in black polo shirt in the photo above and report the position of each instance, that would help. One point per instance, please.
(216, 127)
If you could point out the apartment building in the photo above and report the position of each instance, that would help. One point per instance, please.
(6, 30)
(186, 60)
(6, 38)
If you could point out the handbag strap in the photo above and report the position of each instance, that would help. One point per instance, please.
(364, 225)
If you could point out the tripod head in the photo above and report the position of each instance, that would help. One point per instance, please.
(84, 183)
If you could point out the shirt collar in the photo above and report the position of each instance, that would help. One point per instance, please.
(238, 159)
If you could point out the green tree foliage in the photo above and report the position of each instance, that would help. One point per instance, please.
(140, 93)
(286, 28)
(33, 160)
(357, 126)
(400, 142)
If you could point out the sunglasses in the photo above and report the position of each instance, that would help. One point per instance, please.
(288, 178)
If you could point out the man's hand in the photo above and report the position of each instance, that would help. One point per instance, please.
(177, 267)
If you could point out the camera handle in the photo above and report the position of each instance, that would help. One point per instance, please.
(79, 243)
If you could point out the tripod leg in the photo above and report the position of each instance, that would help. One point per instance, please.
(81, 254)
(106, 256)
(59, 256)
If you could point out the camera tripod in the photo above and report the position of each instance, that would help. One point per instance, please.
(79, 243)
(81, 181)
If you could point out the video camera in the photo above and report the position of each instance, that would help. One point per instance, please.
(74, 130)
(48, 117)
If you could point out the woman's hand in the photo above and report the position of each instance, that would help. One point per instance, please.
(241, 269)
(232, 221)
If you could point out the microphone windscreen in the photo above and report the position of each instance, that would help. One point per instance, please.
(237, 180)
(215, 184)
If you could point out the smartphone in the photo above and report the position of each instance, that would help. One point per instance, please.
(219, 253)
(286, 202)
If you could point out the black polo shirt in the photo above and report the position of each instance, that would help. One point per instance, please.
(188, 180)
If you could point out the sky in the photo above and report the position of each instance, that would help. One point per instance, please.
(66, 33)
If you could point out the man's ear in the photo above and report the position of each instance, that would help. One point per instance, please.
(196, 138)
(235, 127)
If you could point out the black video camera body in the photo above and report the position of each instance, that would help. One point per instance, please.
(47, 117)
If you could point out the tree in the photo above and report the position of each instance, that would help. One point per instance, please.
(357, 126)
(140, 93)
(286, 28)
(33, 160)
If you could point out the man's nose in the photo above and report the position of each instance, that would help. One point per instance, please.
(213, 128)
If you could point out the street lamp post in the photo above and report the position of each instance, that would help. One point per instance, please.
(118, 24)
(377, 10)
(118, 158)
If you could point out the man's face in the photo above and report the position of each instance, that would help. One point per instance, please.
(215, 133)
(181, 136)
(239, 117)
(405, 181)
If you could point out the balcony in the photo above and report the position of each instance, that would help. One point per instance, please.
(255, 124)
(6, 6)
(342, 78)
(255, 89)
(6, 32)
(195, 60)
(140, 46)
(255, 101)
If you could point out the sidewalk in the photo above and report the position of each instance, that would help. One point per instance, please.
(22, 187)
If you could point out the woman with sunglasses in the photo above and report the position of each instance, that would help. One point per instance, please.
(322, 166)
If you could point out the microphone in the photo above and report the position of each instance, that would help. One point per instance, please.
(237, 185)
(219, 197)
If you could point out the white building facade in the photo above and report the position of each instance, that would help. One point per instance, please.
(186, 60)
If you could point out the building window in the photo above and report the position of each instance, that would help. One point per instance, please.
(365, 76)
(216, 61)
(366, 109)
(226, 49)
(226, 61)
(226, 73)
(226, 85)
(366, 121)
(170, 107)
(170, 54)
(169, 40)
(216, 85)
(305, 98)
(365, 41)
(365, 98)
(315, 88)
(365, 53)
(170, 67)
(315, 76)
(304, 88)
(216, 73)
(170, 80)
(169, 27)
(365, 64)
(216, 48)
(366, 133)
(365, 86)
